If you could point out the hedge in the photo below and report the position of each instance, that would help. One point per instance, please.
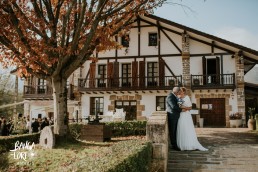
(7, 143)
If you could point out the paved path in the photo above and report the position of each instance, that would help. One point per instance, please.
(230, 150)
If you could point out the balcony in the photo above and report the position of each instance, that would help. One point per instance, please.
(45, 92)
(129, 83)
(222, 81)
(37, 92)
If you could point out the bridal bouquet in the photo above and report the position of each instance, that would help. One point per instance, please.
(180, 102)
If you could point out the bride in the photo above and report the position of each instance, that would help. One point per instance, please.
(186, 136)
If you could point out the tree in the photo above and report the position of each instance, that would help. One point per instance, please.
(50, 39)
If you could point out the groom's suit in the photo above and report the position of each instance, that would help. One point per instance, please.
(173, 112)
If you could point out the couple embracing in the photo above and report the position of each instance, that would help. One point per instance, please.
(180, 124)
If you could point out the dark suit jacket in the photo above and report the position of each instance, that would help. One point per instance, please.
(172, 106)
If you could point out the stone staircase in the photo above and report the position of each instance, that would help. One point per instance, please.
(230, 150)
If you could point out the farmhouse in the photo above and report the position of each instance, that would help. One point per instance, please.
(133, 81)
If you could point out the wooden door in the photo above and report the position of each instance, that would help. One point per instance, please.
(213, 112)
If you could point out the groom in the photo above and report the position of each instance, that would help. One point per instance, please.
(173, 113)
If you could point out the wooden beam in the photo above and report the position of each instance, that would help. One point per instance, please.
(139, 36)
(172, 73)
(196, 39)
(171, 41)
(164, 55)
(159, 37)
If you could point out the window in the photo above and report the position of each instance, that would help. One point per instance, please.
(153, 39)
(102, 75)
(126, 75)
(152, 73)
(96, 105)
(41, 86)
(125, 40)
(161, 103)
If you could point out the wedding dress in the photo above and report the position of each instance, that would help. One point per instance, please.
(186, 135)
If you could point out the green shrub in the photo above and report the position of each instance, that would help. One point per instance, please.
(127, 128)
(138, 161)
(75, 130)
(8, 142)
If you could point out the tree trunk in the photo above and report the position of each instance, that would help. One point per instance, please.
(60, 106)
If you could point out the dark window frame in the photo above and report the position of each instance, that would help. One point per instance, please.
(102, 72)
(125, 41)
(152, 73)
(126, 74)
(93, 105)
(161, 102)
(153, 39)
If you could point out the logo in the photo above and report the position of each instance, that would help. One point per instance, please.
(22, 151)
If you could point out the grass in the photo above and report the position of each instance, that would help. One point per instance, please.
(71, 156)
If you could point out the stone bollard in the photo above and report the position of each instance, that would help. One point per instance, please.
(157, 134)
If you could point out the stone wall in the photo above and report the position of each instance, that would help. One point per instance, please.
(240, 83)
(157, 134)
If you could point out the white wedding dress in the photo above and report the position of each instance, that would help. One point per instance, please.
(186, 135)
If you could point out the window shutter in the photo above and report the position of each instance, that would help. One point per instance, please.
(110, 74)
(116, 74)
(204, 71)
(161, 72)
(135, 73)
(142, 73)
(92, 75)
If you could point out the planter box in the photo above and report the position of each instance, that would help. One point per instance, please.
(235, 123)
(95, 132)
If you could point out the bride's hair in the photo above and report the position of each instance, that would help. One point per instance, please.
(183, 89)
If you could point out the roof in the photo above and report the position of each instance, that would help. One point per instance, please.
(250, 55)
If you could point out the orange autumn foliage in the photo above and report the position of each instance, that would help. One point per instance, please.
(46, 38)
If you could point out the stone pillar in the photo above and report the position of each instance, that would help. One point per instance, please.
(240, 84)
(157, 134)
(186, 61)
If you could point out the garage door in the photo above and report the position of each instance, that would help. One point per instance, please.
(213, 112)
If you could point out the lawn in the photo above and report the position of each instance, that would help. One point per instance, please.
(72, 156)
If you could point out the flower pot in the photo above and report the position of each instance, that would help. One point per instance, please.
(251, 124)
(235, 123)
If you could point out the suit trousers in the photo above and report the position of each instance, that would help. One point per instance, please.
(172, 127)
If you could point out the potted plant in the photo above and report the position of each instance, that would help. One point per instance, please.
(251, 121)
(235, 120)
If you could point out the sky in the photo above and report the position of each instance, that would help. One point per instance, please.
(233, 20)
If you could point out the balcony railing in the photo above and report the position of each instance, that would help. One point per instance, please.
(37, 91)
(129, 83)
(222, 81)
(44, 91)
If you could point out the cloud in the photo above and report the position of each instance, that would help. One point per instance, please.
(238, 35)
